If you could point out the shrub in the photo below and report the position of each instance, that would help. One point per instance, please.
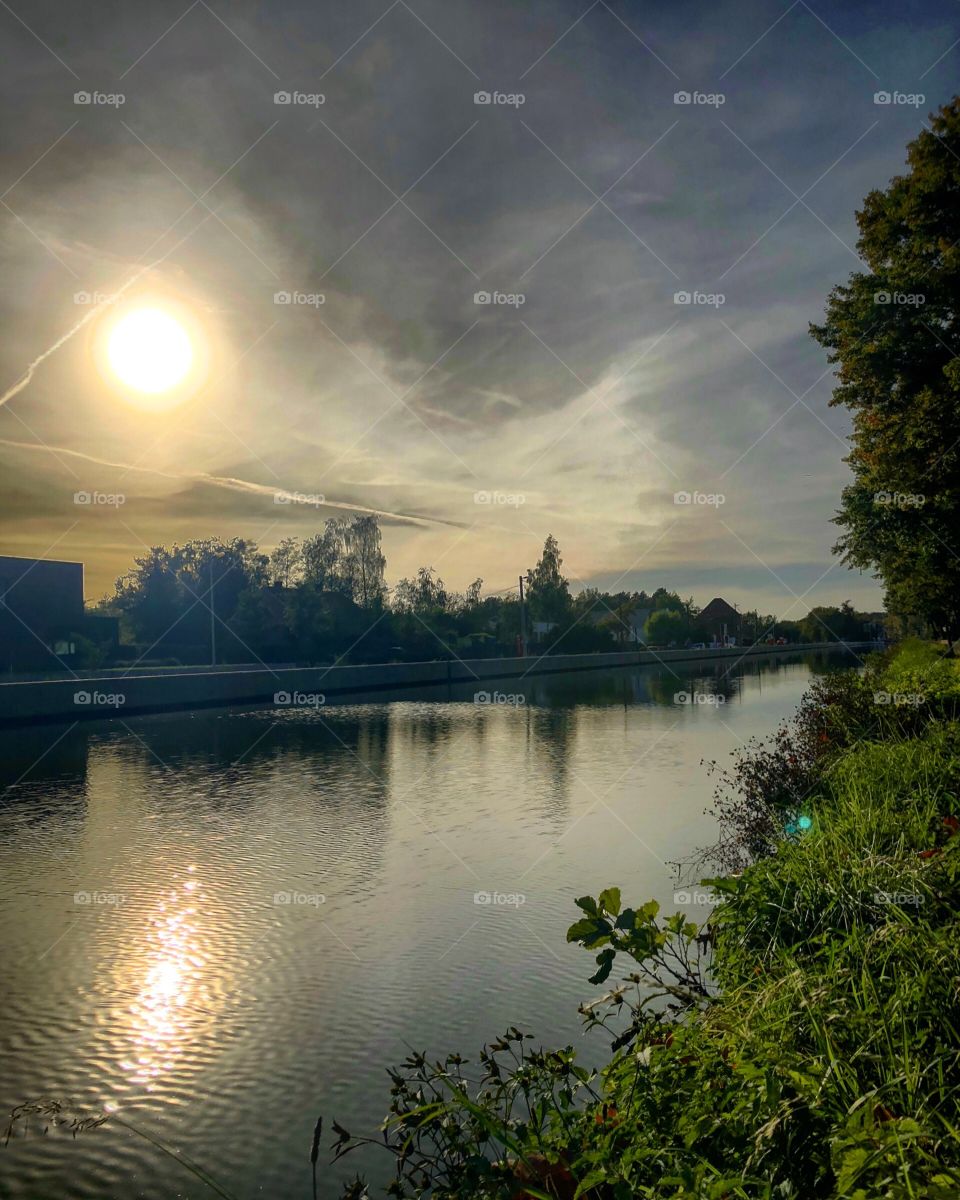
(804, 1043)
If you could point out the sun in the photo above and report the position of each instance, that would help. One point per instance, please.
(150, 351)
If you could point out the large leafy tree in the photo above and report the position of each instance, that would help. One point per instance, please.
(324, 557)
(286, 563)
(892, 330)
(166, 594)
(548, 593)
(843, 623)
(424, 594)
(666, 625)
(366, 562)
(346, 559)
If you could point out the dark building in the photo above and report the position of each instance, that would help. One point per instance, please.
(41, 613)
(720, 620)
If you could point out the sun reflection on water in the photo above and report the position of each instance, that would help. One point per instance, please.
(172, 991)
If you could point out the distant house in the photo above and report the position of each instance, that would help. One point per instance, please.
(636, 621)
(720, 621)
(41, 612)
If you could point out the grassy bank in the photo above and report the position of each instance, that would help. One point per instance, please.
(804, 1043)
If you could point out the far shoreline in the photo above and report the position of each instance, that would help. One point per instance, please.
(102, 696)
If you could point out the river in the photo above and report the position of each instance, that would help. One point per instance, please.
(221, 924)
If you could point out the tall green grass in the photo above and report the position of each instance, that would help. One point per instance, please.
(804, 1044)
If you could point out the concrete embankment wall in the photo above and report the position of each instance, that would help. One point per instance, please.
(75, 698)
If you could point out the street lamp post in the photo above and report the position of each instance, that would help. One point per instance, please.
(523, 623)
(213, 621)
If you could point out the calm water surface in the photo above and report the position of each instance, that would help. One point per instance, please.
(225, 923)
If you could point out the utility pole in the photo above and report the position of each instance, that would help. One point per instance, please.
(523, 623)
(213, 625)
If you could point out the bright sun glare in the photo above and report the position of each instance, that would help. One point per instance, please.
(149, 350)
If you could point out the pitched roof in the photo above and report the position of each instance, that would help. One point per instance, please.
(719, 610)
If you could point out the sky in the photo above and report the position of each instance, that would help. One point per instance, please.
(487, 340)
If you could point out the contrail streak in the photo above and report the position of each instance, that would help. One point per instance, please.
(233, 484)
(41, 358)
(223, 481)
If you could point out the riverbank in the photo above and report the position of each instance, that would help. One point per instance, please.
(99, 695)
(398, 813)
(802, 1043)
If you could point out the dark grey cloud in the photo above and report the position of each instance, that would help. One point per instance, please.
(398, 199)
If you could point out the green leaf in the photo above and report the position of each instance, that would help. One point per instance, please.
(590, 931)
(604, 963)
(626, 920)
(722, 884)
(851, 1165)
(610, 900)
(588, 905)
(596, 1176)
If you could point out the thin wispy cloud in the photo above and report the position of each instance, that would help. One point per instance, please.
(431, 187)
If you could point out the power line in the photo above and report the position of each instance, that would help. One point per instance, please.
(512, 588)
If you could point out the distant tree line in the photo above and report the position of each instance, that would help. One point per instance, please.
(324, 598)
